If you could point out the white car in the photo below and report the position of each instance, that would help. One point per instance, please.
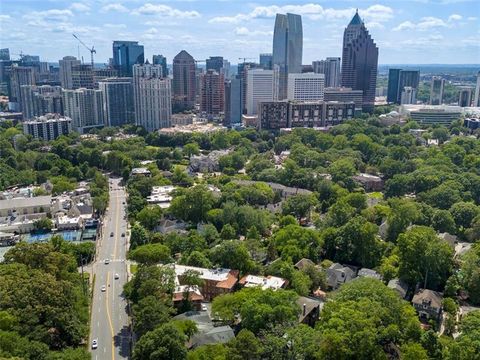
(94, 344)
(107, 261)
(116, 276)
(204, 307)
(103, 288)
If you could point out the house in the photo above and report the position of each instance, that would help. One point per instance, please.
(399, 286)
(428, 304)
(450, 239)
(337, 274)
(25, 206)
(265, 282)
(206, 163)
(369, 182)
(284, 191)
(161, 196)
(166, 226)
(141, 171)
(364, 272)
(194, 296)
(303, 263)
(310, 310)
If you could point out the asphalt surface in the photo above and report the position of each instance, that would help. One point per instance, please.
(109, 318)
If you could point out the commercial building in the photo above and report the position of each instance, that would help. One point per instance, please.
(41, 100)
(465, 97)
(359, 61)
(262, 85)
(436, 90)
(346, 95)
(85, 108)
(215, 63)
(289, 114)
(152, 93)
(83, 77)
(48, 127)
(184, 81)
(476, 99)
(212, 92)
(409, 95)
(233, 102)
(266, 61)
(19, 75)
(25, 206)
(432, 114)
(66, 76)
(306, 86)
(162, 61)
(287, 48)
(330, 67)
(398, 79)
(125, 55)
(118, 103)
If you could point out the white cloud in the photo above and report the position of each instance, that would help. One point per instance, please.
(406, 25)
(455, 17)
(425, 23)
(420, 42)
(53, 15)
(165, 11)
(114, 7)
(243, 31)
(374, 25)
(115, 26)
(79, 7)
(379, 13)
(5, 17)
(472, 18)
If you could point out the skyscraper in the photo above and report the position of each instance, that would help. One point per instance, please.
(161, 60)
(214, 63)
(306, 86)
(85, 108)
(266, 61)
(41, 100)
(233, 101)
(184, 81)
(125, 55)
(287, 48)
(476, 99)
(212, 92)
(83, 77)
(393, 82)
(436, 90)
(5, 54)
(408, 96)
(330, 68)
(399, 79)
(19, 75)
(262, 85)
(66, 65)
(152, 93)
(465, 97)
(360, 61)
(117, 101)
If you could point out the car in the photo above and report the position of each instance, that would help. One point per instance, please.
(123, 234)
(123, 202)
(111, 234)
(116, 276)
(94, 344)
(204, 307)
(107, 261)
(103, 288)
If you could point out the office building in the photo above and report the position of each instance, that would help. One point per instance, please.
(287, 48)
(214, 63)
(409, 95)
(266, 61)
(262, 85)
(242, 71)
(212, 93)
(399, 79)
(19, 75)
(66, 65)
(102, 74)
(276, 115)
(184, 81)
(345, 95)
(226, 69)
(233, 102)
(330, 68)
(162, 61)
(48, 127)
(476, 99)
(125, 55)
(83, 77)
(152, 97)
(432, 114)
(359, 61)
(436, 90)
(306, 87)
(41, 100)
(5, 54)
(85, 108)
(465, 97)
(393, 85)
(117, 101)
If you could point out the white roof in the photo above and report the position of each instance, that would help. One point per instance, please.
(140, 170)
(25, 202)
(268, 282)
(206, 274)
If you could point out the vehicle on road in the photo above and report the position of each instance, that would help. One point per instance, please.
(116, 276)
(111, 234)
(107, 261)
(123, 202)
(104, 288)
(123, 234)
(204, 307)
(94, 344)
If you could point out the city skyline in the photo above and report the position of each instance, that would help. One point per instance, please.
(407, 32)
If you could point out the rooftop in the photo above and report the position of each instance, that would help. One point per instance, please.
(25, 202)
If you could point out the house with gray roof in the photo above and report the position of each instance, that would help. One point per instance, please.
(337, 274)
(428, 304)
(399, 286)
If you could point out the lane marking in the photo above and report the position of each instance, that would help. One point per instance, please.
(109, 317)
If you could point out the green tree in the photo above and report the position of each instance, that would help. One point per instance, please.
(138, 236)
(232, 254)
(244, 347)
(150, 216)
(44, 224)
(149, 313)
(193, 204)
(299, 205)
(165, 342)
(150, 254)
(443, 221)
(463, 213)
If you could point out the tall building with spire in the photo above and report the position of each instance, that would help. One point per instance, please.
(360, 61)
(287, 49)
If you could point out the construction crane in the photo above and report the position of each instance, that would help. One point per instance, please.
(92, 50)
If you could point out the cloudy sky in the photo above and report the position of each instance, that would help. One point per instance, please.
(406, 31)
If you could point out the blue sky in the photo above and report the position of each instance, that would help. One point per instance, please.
(406, 31)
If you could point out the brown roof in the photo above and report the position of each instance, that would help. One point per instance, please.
(433, 297)
(230, 281)
(302, 263)
(192, 296)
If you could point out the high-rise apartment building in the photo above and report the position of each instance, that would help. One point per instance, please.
(41, 100)
(212, 93)
(266, 61)
(117, 101)
(360, 61)
(346, 95)
(48, 127)
(83, 77)
(398, 79)
(287, 48)
(233, 101)
(214, 63)
(184, 81)
(262, 85)
(161, 60)
(85, 108)
(408, 96)
(476, 99)
(436, 90)
(152, 94)
(125, 55)
(19, 75)
(306, 86)
(465, 97)
(242, 72)
(66, 65)
(330, 68)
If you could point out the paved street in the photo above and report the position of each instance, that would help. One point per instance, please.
(109, 319)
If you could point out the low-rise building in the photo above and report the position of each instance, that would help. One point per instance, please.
(428, 304)
(364, 272)
(310, 310)
(161, 196)
(369, 182)
(206, 163)
(141, 171)
(337, 274)
(25, 206)
(194, 296)
(264, 282)
(399, 286)
(432, 114)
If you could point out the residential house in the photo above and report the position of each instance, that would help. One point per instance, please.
(337, 274)
(399, 286)
(310, 310)
(303, 263)
(428, 304)
(369, 182)
(364, 272)
(194, 296)
(25, 206)
(141, 171)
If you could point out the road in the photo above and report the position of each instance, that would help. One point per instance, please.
(109, 318)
